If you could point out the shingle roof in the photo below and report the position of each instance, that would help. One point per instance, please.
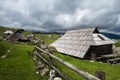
(101, 39)
(77, 42)
(17, 36)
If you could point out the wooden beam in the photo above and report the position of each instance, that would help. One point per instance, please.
(52, 66)
(70, 66)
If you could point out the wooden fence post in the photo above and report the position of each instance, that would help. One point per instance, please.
(93, 57)
(52, 66)
(100, 75)
(70, 66)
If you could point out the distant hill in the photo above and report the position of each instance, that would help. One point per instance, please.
(2, 29)
(110, 35)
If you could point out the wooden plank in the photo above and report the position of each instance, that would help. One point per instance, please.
(70, 66)
(53, 67)
(116, 59)
(109, 55)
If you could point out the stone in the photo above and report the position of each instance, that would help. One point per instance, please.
(49, 36)
(8, 51)
(44, 71)
(92, 61)
(57, 78)
(34, 58)
(37, 72)
(116, 49)
(41, 66)
(44, 46)
(38, 62)
(4, 56)
(51, 74)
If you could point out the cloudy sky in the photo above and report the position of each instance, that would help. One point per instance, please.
(60, 15)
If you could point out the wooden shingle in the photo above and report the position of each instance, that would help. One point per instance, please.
(77, 42)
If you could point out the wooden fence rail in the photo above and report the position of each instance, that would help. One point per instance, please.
(70, 66)
(52, 66)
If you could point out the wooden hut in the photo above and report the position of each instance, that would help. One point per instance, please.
(83, 43)
(18, 37)
(8, 32)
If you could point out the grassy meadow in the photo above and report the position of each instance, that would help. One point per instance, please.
(112, 71)
(20, 66)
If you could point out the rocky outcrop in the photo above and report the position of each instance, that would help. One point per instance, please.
(116, 50)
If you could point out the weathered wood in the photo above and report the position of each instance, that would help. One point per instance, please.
(100, 74)
(52, 66)
(115, 59)
(70, 66)
(93, 57)
(109, 56)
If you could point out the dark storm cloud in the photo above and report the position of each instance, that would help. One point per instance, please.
(60, 15)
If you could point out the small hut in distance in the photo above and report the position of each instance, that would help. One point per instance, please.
(8, 32)
(18, 37)
(83, 43)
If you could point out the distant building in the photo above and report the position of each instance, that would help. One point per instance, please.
(17, 36)
(8, 32)
(83, 43)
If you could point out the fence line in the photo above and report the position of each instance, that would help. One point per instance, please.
(52, 66)
(70, 66)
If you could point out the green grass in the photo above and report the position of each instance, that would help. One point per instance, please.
(18, 65)
(68, 72)
(118, 43)
(112, 71)
(46, 38)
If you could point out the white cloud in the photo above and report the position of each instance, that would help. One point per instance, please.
(56, 15)
(64, 20)
(70, 20)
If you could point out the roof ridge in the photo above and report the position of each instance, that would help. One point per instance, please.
(91, 29)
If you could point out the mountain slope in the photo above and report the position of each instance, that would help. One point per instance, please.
(112, 36)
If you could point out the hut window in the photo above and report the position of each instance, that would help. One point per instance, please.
(101, 37)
